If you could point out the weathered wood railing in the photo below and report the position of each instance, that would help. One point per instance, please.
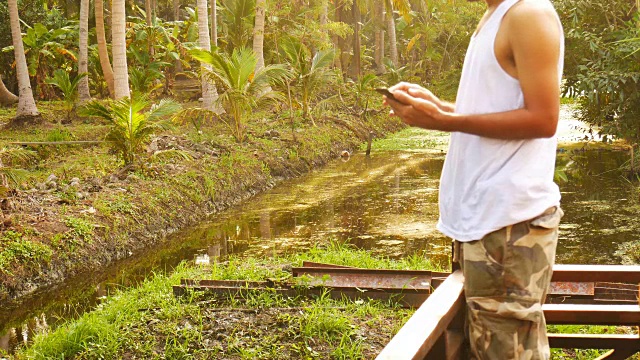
(435, 331)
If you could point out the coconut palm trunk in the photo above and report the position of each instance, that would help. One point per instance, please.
(119, 48)
(324, 15)
(391, 30)
(6, 97)
(209, 93)
(26, 103)
(83, 85)
(103, 53)
(355, 12)
(378, 18)
(176, 10)
(258, 33)
(214, 23)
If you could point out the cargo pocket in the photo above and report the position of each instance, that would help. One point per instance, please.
(550, 219)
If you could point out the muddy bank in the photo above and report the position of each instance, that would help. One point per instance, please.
(73, 224)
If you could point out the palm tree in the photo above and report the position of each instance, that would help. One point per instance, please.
(103, 53)
(132, 126)
(83, 86)
(209, 92)
(26, 104)
(258, 34)
(119, 48)
(242, 88)
(309, 74)
(404, 8)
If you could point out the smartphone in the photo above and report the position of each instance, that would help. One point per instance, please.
(388, 94)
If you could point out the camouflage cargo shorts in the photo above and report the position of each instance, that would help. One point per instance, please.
(507, 274)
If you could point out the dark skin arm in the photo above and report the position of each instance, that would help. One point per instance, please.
(530, 52)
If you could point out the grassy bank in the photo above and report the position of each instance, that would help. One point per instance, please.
(149, 322)
(76, 209)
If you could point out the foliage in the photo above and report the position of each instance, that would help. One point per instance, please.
(11, 173)
(241, 89)
(48, 49)
(14, 249)
(68, 87)
(237, 23)
(362, 86)
(310, 74)
(130, 125)
(603, 64)
(153, 49)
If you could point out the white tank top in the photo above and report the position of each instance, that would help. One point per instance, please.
(486, 183)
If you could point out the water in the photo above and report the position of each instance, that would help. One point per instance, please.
(386, 204)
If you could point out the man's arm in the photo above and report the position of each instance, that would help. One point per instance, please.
(534, 39)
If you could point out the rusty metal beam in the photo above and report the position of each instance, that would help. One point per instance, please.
(240, 289)
(370, 278)
(594, 341)
(628, 315)
(597, 273)
(421, 332)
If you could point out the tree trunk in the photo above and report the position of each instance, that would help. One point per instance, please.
(378, 16)
(337, 62)
(26, 103)
(324, 15)
(176, 10)
(214, 23)
(391, 29)
(6, 97)
(355, 10)
(120, 69)
(258, 34)
(149, 7)
(147, 12)
(83, 87)
(103, 53)
(209, 93)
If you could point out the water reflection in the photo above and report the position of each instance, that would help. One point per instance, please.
(386, 204)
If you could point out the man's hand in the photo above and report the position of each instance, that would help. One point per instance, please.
(416, 107)
(420, 92)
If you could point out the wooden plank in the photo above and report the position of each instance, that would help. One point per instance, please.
(594, 273)
(421, 332)
(628, 315)
(594, 341)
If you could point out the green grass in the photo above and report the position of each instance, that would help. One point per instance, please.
(149, 321)
(17, 251)
(588, 354)
(411, 139)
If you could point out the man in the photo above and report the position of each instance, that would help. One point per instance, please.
(497, 196)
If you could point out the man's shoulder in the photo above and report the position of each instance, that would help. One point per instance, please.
(525, 11)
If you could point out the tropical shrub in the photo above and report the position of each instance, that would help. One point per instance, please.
(241, 89)
(68, 87)
(133, 122)
(310, 74)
